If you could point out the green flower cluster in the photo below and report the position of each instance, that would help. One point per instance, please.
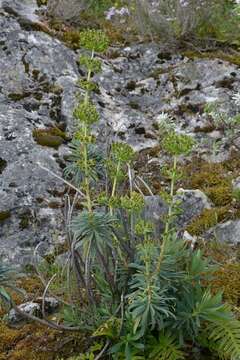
(94, 65)
(133, 203)
(86, 113)
(177, 144)
(94, 40)
(122, 152)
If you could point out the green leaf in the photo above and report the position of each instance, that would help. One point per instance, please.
(165, 347)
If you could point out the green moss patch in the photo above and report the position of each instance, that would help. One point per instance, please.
(4, 215)
(51, 137)
(3, 165)
(212, 179)
(208, 219)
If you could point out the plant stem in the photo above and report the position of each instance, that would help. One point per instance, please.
(86, 98)
(115, 179)
(86, 180)
(85, 150)
(115, 184)
(169, 217)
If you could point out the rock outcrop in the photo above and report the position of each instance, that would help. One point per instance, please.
(38, 89)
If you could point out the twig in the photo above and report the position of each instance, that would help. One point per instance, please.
(145, 184)
(102, 351)
(63, 180)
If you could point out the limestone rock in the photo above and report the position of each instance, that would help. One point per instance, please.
(33, 308)
(191, 204)
(67, 10)
(227, 232)
(154, 211)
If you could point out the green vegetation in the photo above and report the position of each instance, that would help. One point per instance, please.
(4, 215)
(147, 296)
(131, 294)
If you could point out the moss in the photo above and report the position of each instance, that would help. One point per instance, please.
(52, 137)
(55, 204)
(24, 220)
(4, 215)
(233, 58)
(159, 71)
(134, 105)
(34, 342)
(3, 165)
(208, 219)
(41, 2)
(32, 285)
(220, 195)
(49, 140)
(227, 280)
(18, 96)
(35, 74)
(72, 38)
(131, 85)
(205, 129)
(212, 179)
(189, 109)
(115, 33)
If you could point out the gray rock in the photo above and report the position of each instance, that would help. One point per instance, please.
(227, 232)
(24, 10)
(67, 10)
(191, 204)
(154, 211)
(236, 184)
(30, 307)
(51, 304)
(37, 90)
(33, 308)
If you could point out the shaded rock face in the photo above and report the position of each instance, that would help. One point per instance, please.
(37, 90)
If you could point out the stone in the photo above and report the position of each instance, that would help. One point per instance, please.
(191, 204)
(33, 308)
(67, 10)
(30, 307)
(37, 90)
(51, 304)
(228, 232)
(154, 211)
(236, 184)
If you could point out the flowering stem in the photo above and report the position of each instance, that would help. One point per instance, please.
(169, 216)
(86, 180)
(86, 98)
(115, 184)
